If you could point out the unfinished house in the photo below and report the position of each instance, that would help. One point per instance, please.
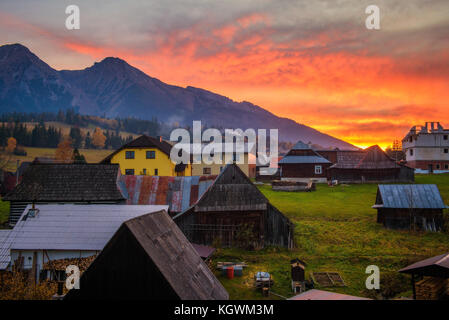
(66, 183)
(412, 206)
(149, 258)
(233, 210)
(427, 148)
(375, 166)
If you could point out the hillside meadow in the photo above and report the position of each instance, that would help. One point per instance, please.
(336, 231)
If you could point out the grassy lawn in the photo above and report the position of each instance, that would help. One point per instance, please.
(335, 230)
(92, 155)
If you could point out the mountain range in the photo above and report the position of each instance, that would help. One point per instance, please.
(113, 88)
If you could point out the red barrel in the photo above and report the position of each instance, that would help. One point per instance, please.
(230, 271)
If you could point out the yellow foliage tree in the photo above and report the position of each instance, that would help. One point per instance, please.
(98, 138)
(12, 144)
(64, 151)
(16, 286)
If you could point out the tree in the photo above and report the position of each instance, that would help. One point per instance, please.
(76, 136)
(64, 151)
(98, 138)
(12, 144)
(78, 157)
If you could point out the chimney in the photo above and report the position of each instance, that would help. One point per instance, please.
(160, 138)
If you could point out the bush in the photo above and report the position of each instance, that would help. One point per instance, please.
(391, 284)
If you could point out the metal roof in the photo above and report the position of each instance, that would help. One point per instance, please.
(417, 196)
(71, 226)
(303, 159)
(179, 193)
(4, 248)
(301, 146)
(315, 294)
(435, 267)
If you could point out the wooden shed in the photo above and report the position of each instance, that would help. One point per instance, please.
(231, 204)
(373, 166)
(302, 163)
(149, 258)
(410, 206)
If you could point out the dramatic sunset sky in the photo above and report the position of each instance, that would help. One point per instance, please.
(311, 61)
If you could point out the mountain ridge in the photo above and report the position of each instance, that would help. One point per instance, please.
(114, 88)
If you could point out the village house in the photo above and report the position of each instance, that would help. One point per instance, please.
(302, 163)
(149, 258)
(373, 166)
(341, 156)
(427, 148)
(147, 156)
(66, 183)
(203, 165)
(409, 206)
(47, 233)
(231, 204)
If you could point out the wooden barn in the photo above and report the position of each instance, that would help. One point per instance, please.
(410, 206)
(66, 183)
(231, 210)
(302, 163)
(374, 166)
(148, 258)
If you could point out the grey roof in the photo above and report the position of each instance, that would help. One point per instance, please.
(437, 266)
(71, 226)
(69, 183)
(4, 248)
(301, 146)
(303, 159)
(418, 196)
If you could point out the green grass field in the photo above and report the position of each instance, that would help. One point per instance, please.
(335, 230)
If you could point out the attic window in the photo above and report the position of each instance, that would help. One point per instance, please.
(445, 137)
(129, 155)
(151, 154)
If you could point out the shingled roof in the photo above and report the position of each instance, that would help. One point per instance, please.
(168, 266)
(373, 158)
(308, 155)
(68, 183)
(143, 141)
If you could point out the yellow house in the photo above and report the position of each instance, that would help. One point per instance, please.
(147, 156)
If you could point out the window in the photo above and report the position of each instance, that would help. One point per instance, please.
(156, 172)
(446, 150)
(129, 155)
(411, 152)
(445, 137)
(129, 172)
(151, 154)
(437, 166)
(446, 166)
(144, 172)
(207, 171)
(318, 170)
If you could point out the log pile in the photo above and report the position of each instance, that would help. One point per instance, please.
(62, 264)
(431, 288)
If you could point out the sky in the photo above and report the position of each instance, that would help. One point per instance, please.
(312, 61)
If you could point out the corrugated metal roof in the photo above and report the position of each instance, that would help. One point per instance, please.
(418, 196)
(315, 294)
(301, 146)
(179, 193)
(71, 227)
(303, 159)
(4, 249)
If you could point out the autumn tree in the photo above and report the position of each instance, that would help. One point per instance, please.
(98, 138)
(12, 144)
(64, 151)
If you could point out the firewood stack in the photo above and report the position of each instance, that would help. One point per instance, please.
(62, 264)
(431, 288)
